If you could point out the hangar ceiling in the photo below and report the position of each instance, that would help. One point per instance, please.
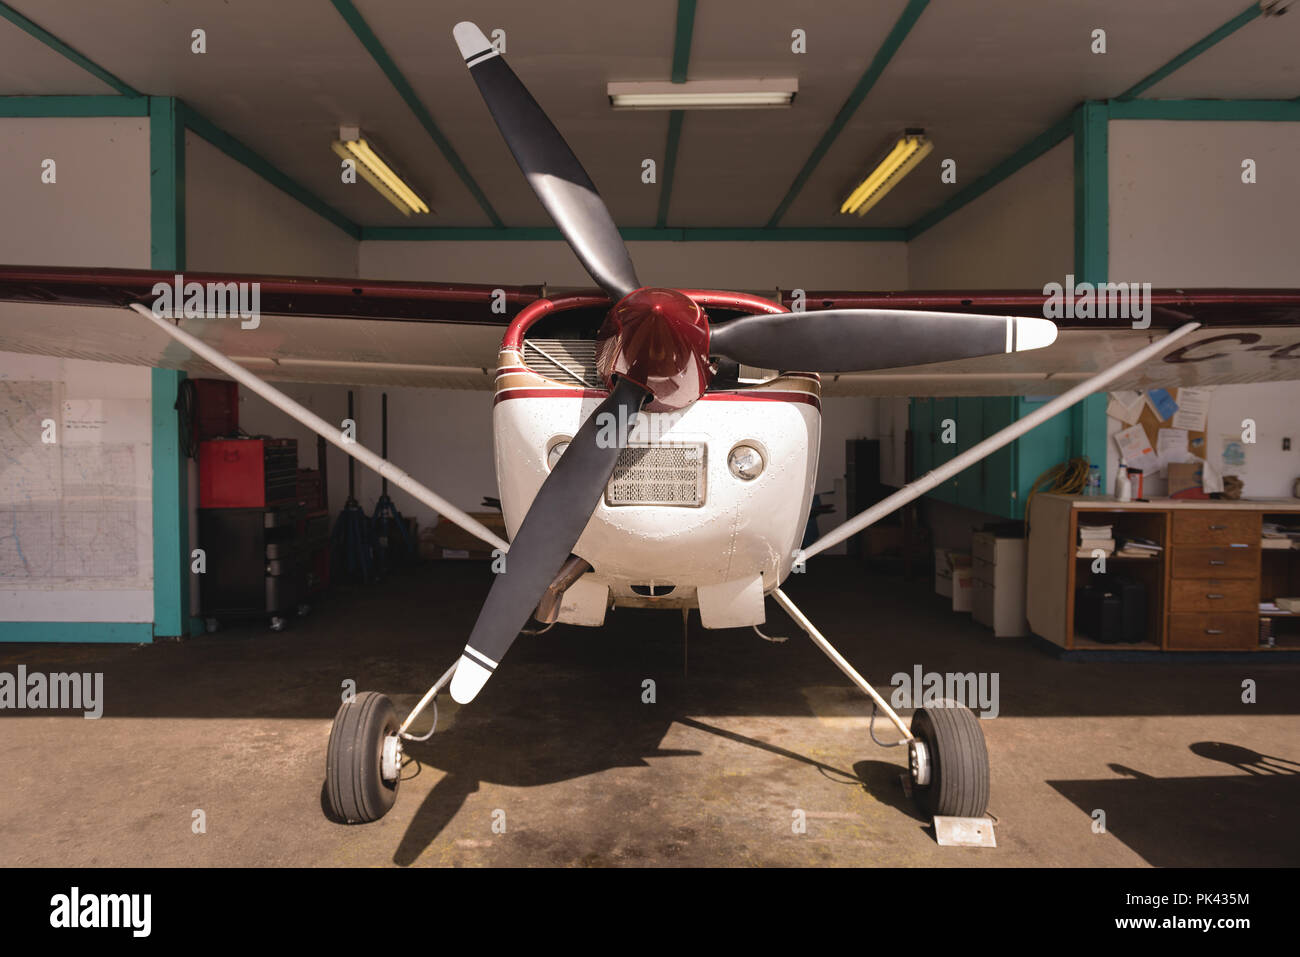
(982, 78)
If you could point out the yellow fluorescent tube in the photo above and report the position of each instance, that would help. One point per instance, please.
(902, 159)
(379, 175)
(361, 149)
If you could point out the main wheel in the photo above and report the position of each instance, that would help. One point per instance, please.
(950, 771)
(364, 743)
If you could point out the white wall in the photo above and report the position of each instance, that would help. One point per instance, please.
(1180, 216)
(757, 266)
(235, 221)
(1018, 235)
(96, 213)
(76, 522)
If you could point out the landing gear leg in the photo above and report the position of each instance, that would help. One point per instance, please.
(948, 761)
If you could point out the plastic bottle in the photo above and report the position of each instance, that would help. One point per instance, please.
(1123, 487)
(1094, 481)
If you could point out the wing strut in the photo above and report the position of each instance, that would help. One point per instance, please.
(929, 480)
(331, 433)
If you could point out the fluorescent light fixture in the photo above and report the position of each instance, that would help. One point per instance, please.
(703, 94)
(912, 147)
(351, 145)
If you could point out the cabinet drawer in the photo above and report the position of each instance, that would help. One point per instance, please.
(1214, 632)
(1198, 527)
(1190, 594)
(1215, 562)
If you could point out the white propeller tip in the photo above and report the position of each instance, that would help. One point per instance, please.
(468, 681)
(1032, 334)
(470, 39)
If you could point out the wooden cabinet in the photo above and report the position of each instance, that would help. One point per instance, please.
(1204, 588)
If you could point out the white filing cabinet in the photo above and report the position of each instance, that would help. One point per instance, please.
(999, 574)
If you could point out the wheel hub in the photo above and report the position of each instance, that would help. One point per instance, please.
(918, 759)
(391, 762)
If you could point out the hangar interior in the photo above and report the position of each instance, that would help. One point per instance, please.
(1117, 166)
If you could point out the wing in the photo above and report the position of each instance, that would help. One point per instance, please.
(347, 331)
(440, 335)
(1246, 336)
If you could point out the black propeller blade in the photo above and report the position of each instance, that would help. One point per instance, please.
(551, 528)
(553, 171)
(859, 340)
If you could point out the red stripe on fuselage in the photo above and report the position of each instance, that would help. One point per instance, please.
(770, 396)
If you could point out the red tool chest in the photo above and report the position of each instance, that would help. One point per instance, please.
(248, 473)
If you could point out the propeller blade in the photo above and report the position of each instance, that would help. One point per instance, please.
(859, 340)
(551, 528)
(553, 171)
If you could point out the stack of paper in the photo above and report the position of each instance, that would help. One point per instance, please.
(1138, 548)
(1093, 537)
(1277, 535)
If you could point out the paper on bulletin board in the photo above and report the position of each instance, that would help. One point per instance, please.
(1162, 402)
(1171, 446)
(1193, 410)
(1125, 406)
(1135, 449)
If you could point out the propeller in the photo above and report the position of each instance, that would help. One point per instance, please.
(859, 340)
(551, 528)
(552, 170)
(653, 353)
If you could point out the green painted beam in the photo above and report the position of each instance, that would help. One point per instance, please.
(682, 35)
(1267, 111)
(893, 40)
(404, 89)
(631, 234)
(1026, 154)
(1091, 192)
(54, 43)
(1193, 51)
(170, 489)
(88, 632)
(675, 119)
(166, 184)
(264, 168)
(50, 106)
(1091, 132)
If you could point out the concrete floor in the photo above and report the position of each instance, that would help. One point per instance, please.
(561, 748)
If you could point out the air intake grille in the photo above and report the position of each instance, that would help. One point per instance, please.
(565, 360)
(658, 475)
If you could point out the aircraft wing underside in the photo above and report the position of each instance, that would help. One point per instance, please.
(432, 335)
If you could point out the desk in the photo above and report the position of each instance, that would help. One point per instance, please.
(1203, 588)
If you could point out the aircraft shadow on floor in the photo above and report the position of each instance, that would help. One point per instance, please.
(1222, 820)
(515, 741)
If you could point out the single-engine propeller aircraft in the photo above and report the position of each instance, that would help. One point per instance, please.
(640, 460)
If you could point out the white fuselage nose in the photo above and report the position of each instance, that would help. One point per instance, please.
(741, 534)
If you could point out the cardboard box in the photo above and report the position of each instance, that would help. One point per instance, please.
(451, 541)
(963, 587)
(1186, 479)
(954, 578)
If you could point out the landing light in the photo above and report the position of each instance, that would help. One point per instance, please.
(745, 462)
(554, 452)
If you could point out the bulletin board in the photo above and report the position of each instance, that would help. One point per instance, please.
(1153, 426)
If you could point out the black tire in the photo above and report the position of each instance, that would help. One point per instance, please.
(959, 762)
(354, 780)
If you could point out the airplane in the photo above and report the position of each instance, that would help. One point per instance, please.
(655, 447)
